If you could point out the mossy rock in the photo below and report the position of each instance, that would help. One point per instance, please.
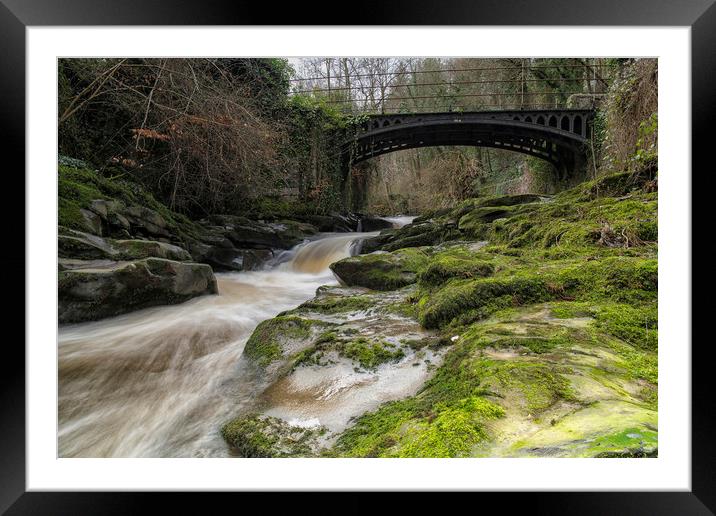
(448, 265)
(137, 249)
(426, 233)
(82, 191)
(265, 436)
(84, 246)
(619, 279)
(370, 354)
(268, 343)
(93, 293)
(381, 271)
(335, 304)
(573, 394)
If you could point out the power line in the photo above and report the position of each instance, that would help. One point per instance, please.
(453, 96)
(446, 83)
(457, 110)
(458, 70)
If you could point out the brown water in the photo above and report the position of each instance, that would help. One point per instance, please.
(159, 382)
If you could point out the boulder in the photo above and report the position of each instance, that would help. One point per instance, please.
(145, 220)
(91, 222)
(411, 235)
(245, 233)
(370, 223)
(111, 289)
(230, 258)
(144, 214)
(85, 246)
(381, 270)
(105, 208)
(134, 249)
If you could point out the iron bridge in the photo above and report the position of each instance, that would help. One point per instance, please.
(558, 136)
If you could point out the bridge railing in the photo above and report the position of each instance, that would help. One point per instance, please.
(573, 121)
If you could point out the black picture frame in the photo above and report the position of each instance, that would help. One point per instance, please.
(17, 15)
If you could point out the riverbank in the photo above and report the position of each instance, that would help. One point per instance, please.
(121, 250)
(506, 326)
(533, 323)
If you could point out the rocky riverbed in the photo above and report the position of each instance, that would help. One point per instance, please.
(506, 326)
(519, 326)
(120, 250)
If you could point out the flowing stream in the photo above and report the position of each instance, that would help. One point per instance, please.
(160, 382)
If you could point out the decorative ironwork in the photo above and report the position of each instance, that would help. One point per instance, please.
(558, 136)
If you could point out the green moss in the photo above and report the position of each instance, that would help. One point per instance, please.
(77, 188)
(540, 384)
(445, 419)
(637, 325)
(445, 266)
(620, 279)
(265, 436)
(265, 344)
(589, 254)
(338, 304)
(534, 344)
(452, 433)
(382, 271)
(370, 354)
(631, 442)
(314, 354)
(639, 363)
(479, 296)
(571, 309)
(479, 393)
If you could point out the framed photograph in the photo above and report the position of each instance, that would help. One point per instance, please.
(426, 249)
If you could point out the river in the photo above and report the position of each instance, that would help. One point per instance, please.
(160, 382)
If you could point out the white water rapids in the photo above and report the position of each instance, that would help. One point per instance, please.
(160, 382)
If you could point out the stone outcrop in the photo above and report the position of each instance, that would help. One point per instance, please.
(94, 290)
(369, 223)
(85, 246)
(230, 242)
(381, 270)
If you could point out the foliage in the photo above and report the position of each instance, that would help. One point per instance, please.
(630, 135)
(203, 135)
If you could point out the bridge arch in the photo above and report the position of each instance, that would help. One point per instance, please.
(557, 136)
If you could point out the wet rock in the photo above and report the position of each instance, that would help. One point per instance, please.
(85, 246)
(244, 233)
(369, 223)
(105, 208)
(146, 248)
(64, 264)
(336, 356)
(145, 215)
(266, 436)
(119, 223)
(412, 235)
(526, 385)
(231, 259)
(93, 293)
(331, 223)
(278, 338)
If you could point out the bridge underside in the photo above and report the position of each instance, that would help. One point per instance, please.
(563, 149)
